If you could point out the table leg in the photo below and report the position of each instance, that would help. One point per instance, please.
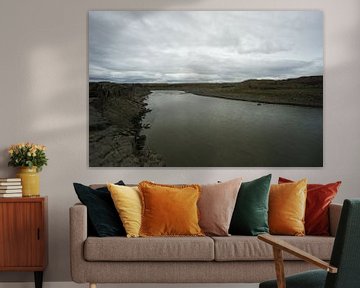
(38, 279)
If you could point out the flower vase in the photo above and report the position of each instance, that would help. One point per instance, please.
(30, 181)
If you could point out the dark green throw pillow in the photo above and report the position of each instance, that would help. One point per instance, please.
(103, 219)
(250, 216)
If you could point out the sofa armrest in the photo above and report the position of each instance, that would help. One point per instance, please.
(78, 235)
(334, 217)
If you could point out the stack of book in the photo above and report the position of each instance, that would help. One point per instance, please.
(10, 187)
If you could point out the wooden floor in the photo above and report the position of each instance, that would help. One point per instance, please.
(74, 285)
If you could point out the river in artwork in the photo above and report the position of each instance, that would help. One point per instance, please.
(188, 130)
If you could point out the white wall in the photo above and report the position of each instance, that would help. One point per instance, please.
(43, 90)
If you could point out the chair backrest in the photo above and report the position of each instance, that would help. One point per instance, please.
(346, 251)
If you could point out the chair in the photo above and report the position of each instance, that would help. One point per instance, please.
(344, 268)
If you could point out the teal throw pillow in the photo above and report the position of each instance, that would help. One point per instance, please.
(250, 216)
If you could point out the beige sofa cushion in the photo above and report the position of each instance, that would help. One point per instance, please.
(243, 248)
(149, 249)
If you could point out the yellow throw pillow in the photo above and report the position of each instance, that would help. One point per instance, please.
(127, 201)
(169, 210)
(287, 204)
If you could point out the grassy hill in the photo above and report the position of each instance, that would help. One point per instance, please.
(303, 91)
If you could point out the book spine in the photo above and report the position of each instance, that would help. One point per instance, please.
(10, 183)
(10, 180)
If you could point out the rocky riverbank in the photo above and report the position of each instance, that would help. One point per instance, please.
(116, 112)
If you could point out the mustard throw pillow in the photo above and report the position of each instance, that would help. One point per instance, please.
(127, 201)
(169, 210)
(287, 204)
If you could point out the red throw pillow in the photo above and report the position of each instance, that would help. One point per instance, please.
(319, 197)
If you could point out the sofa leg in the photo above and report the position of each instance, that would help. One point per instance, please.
(92, 285)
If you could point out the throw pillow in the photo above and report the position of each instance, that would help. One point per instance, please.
(318, 200)
(216, 206)
(250, 215)
(127, 201)
(169, 210)
(102, 215)
(287, 204)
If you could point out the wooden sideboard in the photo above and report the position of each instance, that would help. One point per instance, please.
(23, 235)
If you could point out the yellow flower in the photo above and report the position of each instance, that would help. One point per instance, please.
(28, 154)
(11, 151)
(41, 147)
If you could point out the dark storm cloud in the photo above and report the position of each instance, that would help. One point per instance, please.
(171, 46)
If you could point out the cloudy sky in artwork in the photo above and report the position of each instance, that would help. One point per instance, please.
(204, 46)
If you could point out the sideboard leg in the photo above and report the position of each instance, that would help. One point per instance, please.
(38, 279)
(92, 285)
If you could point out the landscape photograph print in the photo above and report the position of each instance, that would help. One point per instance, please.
(205, 88)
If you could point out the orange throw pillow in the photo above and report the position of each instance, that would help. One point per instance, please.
(169, 210)
(287, 204)
(319, 197)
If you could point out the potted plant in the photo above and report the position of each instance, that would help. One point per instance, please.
(30, 158)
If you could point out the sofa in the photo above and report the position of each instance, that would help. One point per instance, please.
(233, 259)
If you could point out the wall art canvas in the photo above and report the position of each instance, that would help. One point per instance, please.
(205, 88)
